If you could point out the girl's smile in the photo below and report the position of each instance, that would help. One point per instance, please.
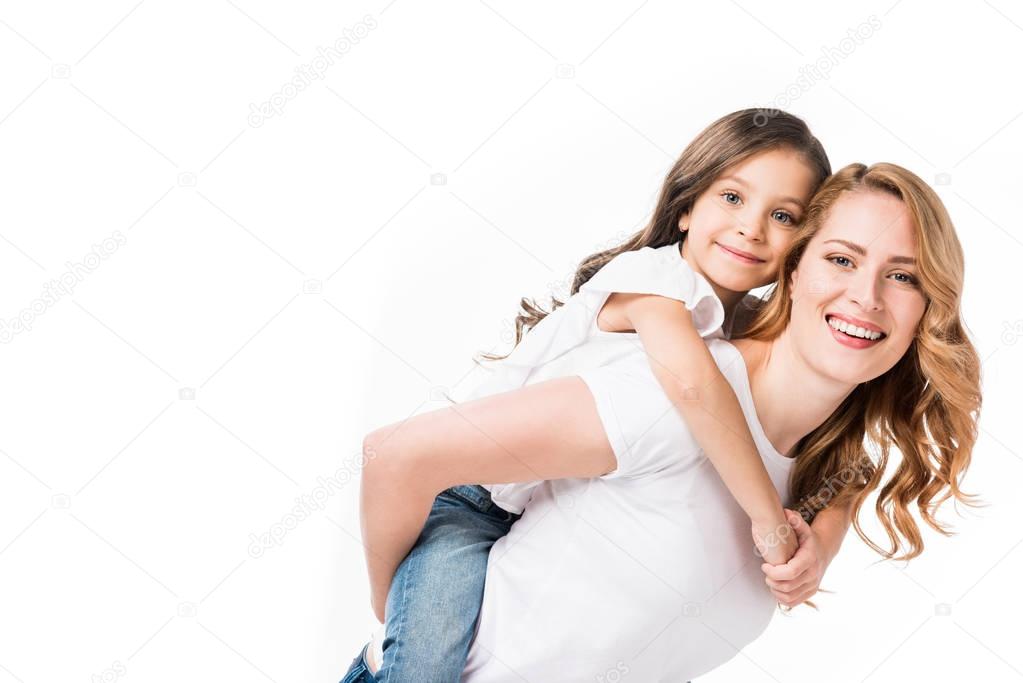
(740, 255)
(738, 229)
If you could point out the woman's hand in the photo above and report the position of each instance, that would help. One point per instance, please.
(797, 580)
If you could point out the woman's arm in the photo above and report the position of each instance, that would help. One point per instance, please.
(689, 376)
(831, 526)
(548, 430)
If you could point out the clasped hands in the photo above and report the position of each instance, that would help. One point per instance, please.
(798, 579)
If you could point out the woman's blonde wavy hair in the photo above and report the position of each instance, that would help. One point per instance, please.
(926, 406)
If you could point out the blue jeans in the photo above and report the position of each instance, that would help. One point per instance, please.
(437, 591)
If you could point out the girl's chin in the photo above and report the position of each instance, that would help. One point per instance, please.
(734, 282)
(738, 277)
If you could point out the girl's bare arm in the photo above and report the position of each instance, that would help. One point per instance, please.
(689, 376)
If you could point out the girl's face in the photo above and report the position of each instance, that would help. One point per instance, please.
(739, 228)
(858, 274)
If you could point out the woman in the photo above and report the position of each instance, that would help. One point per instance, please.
(632, 558)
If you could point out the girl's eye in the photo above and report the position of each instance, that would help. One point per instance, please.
(836, 259)
(783, 217)
(730, 197)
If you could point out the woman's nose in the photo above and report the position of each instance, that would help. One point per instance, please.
(865, 290)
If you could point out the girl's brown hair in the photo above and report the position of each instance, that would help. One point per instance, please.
(926, 406)
(728, 141)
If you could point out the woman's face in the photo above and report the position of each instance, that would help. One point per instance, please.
(859, 275)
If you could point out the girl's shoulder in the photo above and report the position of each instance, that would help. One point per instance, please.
(661, 271)
(642, 264)
(651, 270)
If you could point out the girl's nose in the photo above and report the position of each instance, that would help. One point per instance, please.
(751, 226)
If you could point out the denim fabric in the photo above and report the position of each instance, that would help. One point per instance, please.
(437, 591)
(359, 671)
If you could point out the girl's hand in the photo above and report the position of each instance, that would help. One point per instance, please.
(797, 580)
(775, 541)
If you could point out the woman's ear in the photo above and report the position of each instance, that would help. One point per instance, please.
(792, 283)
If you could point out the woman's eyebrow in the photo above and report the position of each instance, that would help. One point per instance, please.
(852, 246)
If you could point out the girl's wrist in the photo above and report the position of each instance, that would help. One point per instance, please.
(772, 519)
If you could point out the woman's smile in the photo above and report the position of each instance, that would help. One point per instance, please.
(852, 336)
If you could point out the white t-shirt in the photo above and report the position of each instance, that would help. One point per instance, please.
(568, 341)
(647, 573)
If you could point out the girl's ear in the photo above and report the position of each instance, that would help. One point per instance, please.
(683, 222)
(792, 283)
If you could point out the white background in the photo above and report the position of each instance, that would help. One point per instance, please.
(283, 288)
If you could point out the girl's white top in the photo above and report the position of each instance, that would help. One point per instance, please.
(647, 573)
(568, 341)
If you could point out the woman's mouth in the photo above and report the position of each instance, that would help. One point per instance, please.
(851, 335)
(741, 256)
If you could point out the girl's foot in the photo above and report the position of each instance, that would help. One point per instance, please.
(375, 651)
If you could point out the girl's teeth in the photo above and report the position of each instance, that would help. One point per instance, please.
(853, 330)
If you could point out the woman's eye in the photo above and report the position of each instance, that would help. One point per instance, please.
(909, 279)
(730, 197)
(840, 261)
(783, 217)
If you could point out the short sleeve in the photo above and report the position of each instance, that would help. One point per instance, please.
(661, 271)
(645, 431)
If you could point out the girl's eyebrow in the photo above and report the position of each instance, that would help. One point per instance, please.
(739, 181)
(852, 246)
(735, 179)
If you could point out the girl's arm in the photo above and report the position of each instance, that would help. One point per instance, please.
(547, 430)
(689, 376)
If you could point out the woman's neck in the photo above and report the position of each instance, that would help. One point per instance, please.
(776, 373)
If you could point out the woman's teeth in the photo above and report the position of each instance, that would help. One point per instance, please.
(852, 330)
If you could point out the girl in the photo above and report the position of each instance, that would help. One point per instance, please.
(631, 558)
(729, 208)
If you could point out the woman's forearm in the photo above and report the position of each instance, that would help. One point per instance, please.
(831, 526)
(394, 507)
(548, 430)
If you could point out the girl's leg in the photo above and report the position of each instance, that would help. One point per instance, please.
(437, 591)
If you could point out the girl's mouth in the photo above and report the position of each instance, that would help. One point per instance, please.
(741, 256)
